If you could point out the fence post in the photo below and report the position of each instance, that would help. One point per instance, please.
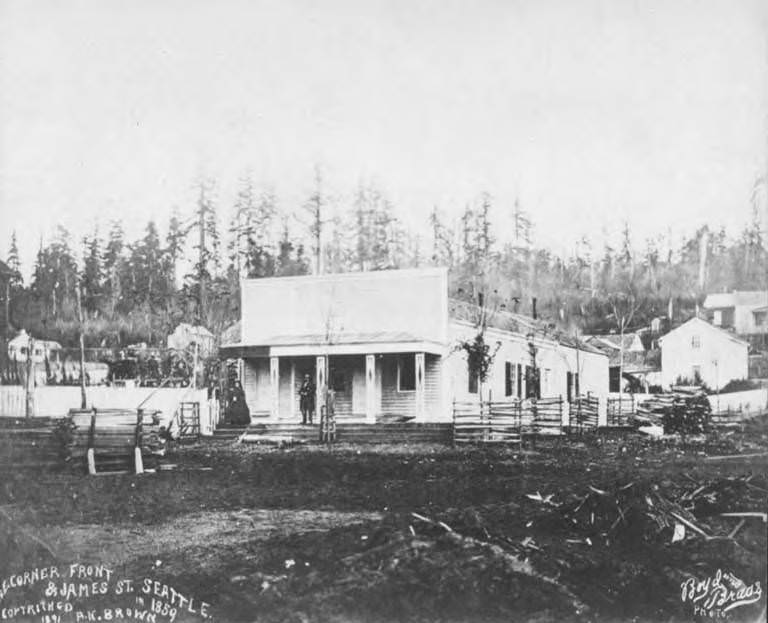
(197, 419)
(602, 415)
(453, 428)
(565, 414)
(138, 463)
(91, 441)
(489, 415)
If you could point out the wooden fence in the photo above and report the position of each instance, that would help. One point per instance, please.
(506, 421)
(620, 409)
(584, 412)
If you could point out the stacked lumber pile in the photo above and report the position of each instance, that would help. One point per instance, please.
(683, 410)
(114, 434)
(36, 442)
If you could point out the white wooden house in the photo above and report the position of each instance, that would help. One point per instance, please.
(42, 350)
(744, 312)
(697, 348)
(388, 343)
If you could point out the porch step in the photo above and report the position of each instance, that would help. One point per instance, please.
(228, 432)
(349, 432)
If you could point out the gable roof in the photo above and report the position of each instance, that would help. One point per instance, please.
(751, 298)
(515, 323)
(612, 341)
(710, 327)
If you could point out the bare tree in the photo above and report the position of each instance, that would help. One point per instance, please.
(315, 207)
(624, 306)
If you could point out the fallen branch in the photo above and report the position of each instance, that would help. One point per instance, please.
(763, 516)
(738, 527)
(690, 524)
(736, 456)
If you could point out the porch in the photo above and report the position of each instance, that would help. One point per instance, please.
(368, 388)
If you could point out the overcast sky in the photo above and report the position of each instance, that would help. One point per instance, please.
(591, 112)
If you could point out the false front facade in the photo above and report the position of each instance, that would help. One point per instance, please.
(389, 344)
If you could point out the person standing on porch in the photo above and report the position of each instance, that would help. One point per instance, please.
(307, 399)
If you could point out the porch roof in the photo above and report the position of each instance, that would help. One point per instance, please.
(336, 344)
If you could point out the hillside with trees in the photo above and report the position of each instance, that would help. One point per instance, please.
(139, 290)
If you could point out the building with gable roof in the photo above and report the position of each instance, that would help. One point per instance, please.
(698, 349)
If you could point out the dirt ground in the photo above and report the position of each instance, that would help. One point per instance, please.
(579, 529)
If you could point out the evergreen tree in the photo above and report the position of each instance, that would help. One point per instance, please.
(115, 270)
(173, 252)
(377, 232)
(290, 258)
(93, 273)
(443, 253)
(14, 263)
(208, 265)
(315, 207)
(147, 269)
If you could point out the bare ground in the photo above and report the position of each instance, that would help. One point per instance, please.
(355, 534)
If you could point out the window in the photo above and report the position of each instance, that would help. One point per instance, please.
(472, 381)
(519, 380)
(696, 341)
(760, 318)
(406, 373)
(532, 388)
(509, 378)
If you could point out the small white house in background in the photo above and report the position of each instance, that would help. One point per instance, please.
(744, 312)
(697, 347)
(386, 342)
(611, 342)
(18, 349)
(186, 336)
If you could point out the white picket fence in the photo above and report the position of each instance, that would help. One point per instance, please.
(747, 403)
(56, 401)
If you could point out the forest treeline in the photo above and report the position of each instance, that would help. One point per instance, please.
(127, 291)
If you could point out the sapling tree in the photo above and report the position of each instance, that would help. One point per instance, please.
(480, 354)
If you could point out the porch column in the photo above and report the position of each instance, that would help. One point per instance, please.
(370, 388)
(321, 378)
(420, 410)
(274, 385)
(293, 388)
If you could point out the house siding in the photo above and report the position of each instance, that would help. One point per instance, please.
(555, 358)
(256, 386)
(394, 402)
(432, 387)
(678, 356)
